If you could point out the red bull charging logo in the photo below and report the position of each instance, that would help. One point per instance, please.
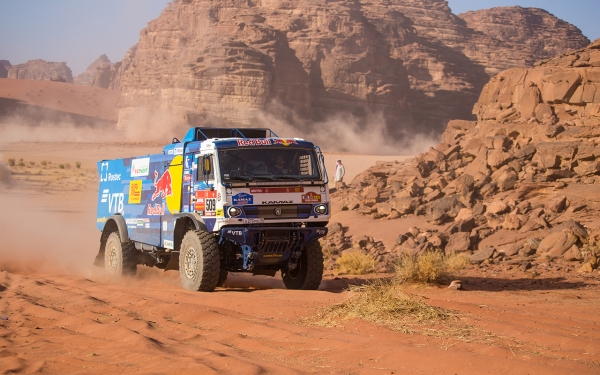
(162, 185)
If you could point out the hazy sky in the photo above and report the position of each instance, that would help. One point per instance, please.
(79, 31)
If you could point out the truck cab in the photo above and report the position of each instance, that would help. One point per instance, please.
(220, 200)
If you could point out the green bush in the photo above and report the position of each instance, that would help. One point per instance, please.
(11, 162)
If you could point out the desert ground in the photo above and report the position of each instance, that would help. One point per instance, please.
(63, 316)
(60, 314)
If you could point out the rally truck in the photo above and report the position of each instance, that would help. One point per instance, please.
(221, 200)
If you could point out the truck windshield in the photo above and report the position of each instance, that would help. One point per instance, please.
(268, 163)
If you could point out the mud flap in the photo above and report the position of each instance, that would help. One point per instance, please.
(173, 262)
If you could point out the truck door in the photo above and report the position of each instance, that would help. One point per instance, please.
(168, 188)
(204, 186)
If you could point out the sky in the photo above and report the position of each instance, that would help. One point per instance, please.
(79, 31)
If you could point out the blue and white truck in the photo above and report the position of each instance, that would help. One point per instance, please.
(221, 200)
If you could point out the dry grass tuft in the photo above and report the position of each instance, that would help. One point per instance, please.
(426, 268)
(381, 302)
(458, 261)
(355, 263)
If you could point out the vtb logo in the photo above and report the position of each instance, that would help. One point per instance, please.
(162, 185)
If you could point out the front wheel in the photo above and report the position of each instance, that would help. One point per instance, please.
(199, 261)
(120, 258)
(309, 272)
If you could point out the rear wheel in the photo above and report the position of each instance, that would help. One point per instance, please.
(120, 258)
(199, 261)
(309, 272)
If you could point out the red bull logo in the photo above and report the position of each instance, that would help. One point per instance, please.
(285, 142)
(162, 185)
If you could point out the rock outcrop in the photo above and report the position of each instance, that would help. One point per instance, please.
(4, 67)
(42, 70)
(511, 186)
(411, 63)
(533, 34)
(100, 73)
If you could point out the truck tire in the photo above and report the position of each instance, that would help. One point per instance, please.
(199, 261)
(222, 277)
(120, 258)
(309, 273)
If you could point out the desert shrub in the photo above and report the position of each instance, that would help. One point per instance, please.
(11, 162)
(67, 165)
(44, 163)
(329, 252)
(21, 163)
(355, 263)
(380, 302)
(31, 163)
(426, 268)
(77, 164)
(61, 166)
(458, 261)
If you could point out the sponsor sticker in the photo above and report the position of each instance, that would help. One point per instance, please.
(178, 151)
(311, 197)
(253, 221)
(162, 185)
(284, 142)
(101, 220)
(219, 212)
(276, 190)
(277, 202)
(156, 210)
(104, 171)
(187, 178)
(168, 244)
(140, 167)
(135, 192)
(242, 198)
(165, 225)
(254, 142)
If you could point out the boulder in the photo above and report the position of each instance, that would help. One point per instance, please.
(497, 207)
(458, 243)
(556, 244)
(505, 177)
(483, 254)
(556, 204)
(443, 209)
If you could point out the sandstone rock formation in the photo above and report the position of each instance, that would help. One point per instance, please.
(533, 34)
(411, 63)
(42, 70)
(518, 184)
(4, 66)
(100, 73)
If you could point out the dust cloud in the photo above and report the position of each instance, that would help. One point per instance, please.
(344, 132)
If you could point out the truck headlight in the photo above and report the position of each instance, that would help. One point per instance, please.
(234, 211)
(321, 209)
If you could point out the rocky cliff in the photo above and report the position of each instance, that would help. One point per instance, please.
(42, 70)
(409, 63)
(518, 185)
(100, 73)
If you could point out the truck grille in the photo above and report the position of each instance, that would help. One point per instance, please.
(288, 211)
(275, 247)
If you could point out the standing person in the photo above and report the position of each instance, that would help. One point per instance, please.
(340, 171)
